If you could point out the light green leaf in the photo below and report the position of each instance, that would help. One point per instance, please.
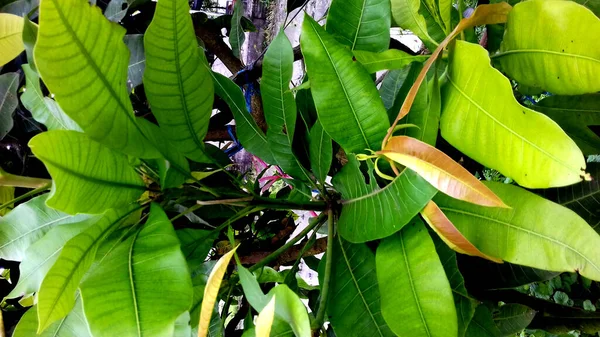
(354, 304)
(236, 32)
(513, 318)
(416, 295)
(176, 80)
(321, 151)
(360, 24)
(57, 292)
(482, 324)
(28, 223)
(182, 326)
(83, 61)
(391, 59)
(370, 212)
(566, 64)
(87, 177)
(278, 329)
(423, 19)
(132, 274)
(137, 60)
(11, 41)
(535, 232)
(9, 83)
(7, 193)
(347, 101)
(73, 325)
(30, 31)
(536, 157)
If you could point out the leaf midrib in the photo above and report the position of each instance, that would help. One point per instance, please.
(542, 51)
(132, 283)
(36, 229)
(375, 192)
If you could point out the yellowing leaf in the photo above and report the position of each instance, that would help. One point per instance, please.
(440, 171)
(11, 37)
(211, 291)
(437, 220)
(264, 321)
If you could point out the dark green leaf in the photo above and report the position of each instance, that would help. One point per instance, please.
(391, 59)
(321, 151)
(482, 324)
(513, 318)
(236, 33)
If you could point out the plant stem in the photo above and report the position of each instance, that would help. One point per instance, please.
(326, 279)
(24, 196)
(8, 179)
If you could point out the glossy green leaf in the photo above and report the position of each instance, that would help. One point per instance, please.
(57, 291)
(176, 80)
(87, 177)
(370, 212)
(392, 84)
(428, 19)
(9, 83)
(360, 24)
(539, 157)
(43, 109)
(513, 318)
(73, 325)
(354, 305)
(236, 32)
(347, 101)
(535, 232)
(566, 64)
(130, 275)
(416, 295)
(137, 60)
(83, 61)
(575, 114)
(482, 324)
(425, 114)
(11, 41)
(391, 59)
(28, 223)
(321, 151)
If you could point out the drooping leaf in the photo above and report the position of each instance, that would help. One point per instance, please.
(391, 59)
(11, 40)
(537, 157)
(535, 232)
(575, 114)
(56, 294)
(28, 223)
(513, 318)
(73, 325)
(370, 212)
(321, 151)
(416, 295)
(354, 305)
(347, 101)
(82, 59)
(130, 275)
(176, 80)
(9, 84)
(137, 60)
(360, 24)
(567, 64)
(87, 176)
(423, 18)
(236, 32)
(482, 324)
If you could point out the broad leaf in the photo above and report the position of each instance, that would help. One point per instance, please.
(87, 176)
(321, 151)
(176, 80)
(83, 61)
(482, 324)
(360, 24)
(390, 59)
(513, 318)
(28, 223)
(236, 32)
(9, 83)
(74, 325)
(392, 84)
(423, 18)
(137, 59)
(130, 275)
(195, 245)
(416, 295)
(370, 212)
(347, 101)
(11, 40)
(535, 232)
(566, 64)
(354, 304)
(537, 157)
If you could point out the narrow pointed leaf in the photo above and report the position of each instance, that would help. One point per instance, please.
(30, 31)
(176, 80)
(11, 40)
(424, 113)
(513, 318)
(199, 279)
(83, 61)
(535, 227)
(9, 83)
(539, 157)
(73, 325)
(440, 170)
(82, 169)
(130, 275)
(370, 212)
(346, 99)
(392, 84)
(567, 64)
(390, 59)
(360, 24)
(321, 151)
(236, 33)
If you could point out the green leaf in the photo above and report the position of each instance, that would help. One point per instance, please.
(575, 114)
(137, 60)
(567, 64)
(176, 80)
(11, 41)
(539, 157)
(83, 61)
(370, 212)
(347, 101)
(321, 151)
(392, 84)
(391, 59)
(425, 113)
(195, 245)
(44, 109)
(28, 223)
(9, 83)
(360, 24)
(7, 193)
(589, 306)
(513, 318)
(423, 18)
(535, 232)
(73, 325)
(130, 275)
(182, 326)
(279, 329)
(249, 134)
(199, 279)
(482, 324)
(236, 33)
(562, 298)
(57, 291)
(83, 169)
(354, 304)
(416, 295)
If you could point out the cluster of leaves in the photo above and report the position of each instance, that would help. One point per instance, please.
(146, 231)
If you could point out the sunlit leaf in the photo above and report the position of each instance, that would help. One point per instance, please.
(11, 40)
(423, 19)
(390, 59)
(73, 325)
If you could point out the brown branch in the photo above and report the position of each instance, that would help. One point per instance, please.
(213, 40)
(218, 135)
(289, 255)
